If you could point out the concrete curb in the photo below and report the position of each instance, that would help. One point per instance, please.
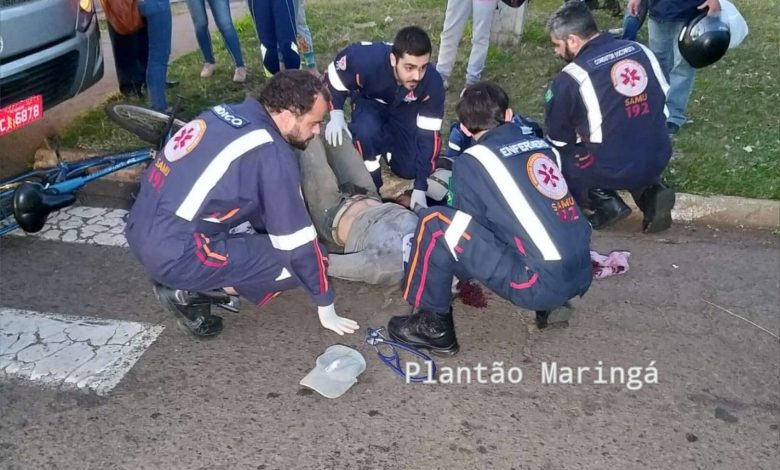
(719, 211)
(724, 211)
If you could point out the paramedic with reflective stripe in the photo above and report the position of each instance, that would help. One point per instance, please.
(397, 106)
(234, 164)
(513, 226)
(606, 113)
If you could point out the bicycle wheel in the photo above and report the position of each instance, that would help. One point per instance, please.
(148, 124)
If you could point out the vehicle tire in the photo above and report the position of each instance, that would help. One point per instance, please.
(149, 125)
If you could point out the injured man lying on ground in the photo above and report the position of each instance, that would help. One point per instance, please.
(367, 237)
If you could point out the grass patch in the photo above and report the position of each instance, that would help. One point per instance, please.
(732, 145)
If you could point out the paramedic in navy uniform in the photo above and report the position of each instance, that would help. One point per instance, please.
(512, 225)
(235, 164)
(606, 112)
(397, 106)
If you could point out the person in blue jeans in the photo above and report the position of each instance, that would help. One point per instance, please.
(667, 18)
(158, 24)
(275, 25)
(220, 10)
(305, 43)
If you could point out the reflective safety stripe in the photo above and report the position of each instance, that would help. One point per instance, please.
(334, 79)
(389, 157)
(588, 94)
(455, 231)
(659, 74)
(557, 158)
(294, 240)
(372, 165)
(428, 123)
(556, 143)
(262, 51)
(217, 169)
(454, 146)
(517, 202)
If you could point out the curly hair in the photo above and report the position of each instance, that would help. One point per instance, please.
(293, 90)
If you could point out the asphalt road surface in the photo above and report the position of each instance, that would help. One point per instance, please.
(234, 401)
(175, 402)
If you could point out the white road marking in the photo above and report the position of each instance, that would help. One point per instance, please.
(83, 224)
(70, 351)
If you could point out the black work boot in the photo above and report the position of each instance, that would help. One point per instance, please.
(656, 202)
(559, 316)
(608, 208)
(426, 330)
(197, 318)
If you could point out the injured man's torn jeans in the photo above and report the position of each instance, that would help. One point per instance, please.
(334, 177)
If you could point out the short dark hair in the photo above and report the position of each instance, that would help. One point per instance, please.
(482, 107)
(574, 17)
(293, 90)
(411, 40)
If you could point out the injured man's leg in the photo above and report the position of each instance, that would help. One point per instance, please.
(347, 211)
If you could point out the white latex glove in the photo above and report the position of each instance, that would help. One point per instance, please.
(335, 323)
(418, 199)
(337, 124)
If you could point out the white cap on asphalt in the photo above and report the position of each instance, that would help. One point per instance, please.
(336, 370)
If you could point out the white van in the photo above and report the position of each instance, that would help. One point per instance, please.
(49, 52)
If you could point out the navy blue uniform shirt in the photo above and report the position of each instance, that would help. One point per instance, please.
(612, 99)
(511, 183)
(228, 166)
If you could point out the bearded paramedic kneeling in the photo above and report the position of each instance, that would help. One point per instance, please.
(235, 164)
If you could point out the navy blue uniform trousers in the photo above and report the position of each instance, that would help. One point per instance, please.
(245, 262)
(584, 172)
(378, 129)
(437, 256)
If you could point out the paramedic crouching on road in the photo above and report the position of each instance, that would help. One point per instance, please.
(513, 226)
(235, 164)
(606, 113)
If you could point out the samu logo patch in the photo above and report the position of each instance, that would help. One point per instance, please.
(185, 140)
(546, 177)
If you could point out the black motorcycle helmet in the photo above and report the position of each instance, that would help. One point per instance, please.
(704, 40)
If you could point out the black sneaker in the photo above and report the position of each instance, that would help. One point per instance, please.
(657, 204)
(426, 330)
(559, 316)
(196, 318)
(608, 208)
(672, 128)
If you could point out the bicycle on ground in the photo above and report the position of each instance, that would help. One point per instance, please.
(27, 199)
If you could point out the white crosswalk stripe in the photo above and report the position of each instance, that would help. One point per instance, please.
(68, 351)
(83, 224)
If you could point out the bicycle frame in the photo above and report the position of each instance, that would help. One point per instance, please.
(64, 178)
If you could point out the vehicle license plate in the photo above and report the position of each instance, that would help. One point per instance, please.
(21, 113)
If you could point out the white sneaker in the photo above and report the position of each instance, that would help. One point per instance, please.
(239, 76)
(207, 70)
